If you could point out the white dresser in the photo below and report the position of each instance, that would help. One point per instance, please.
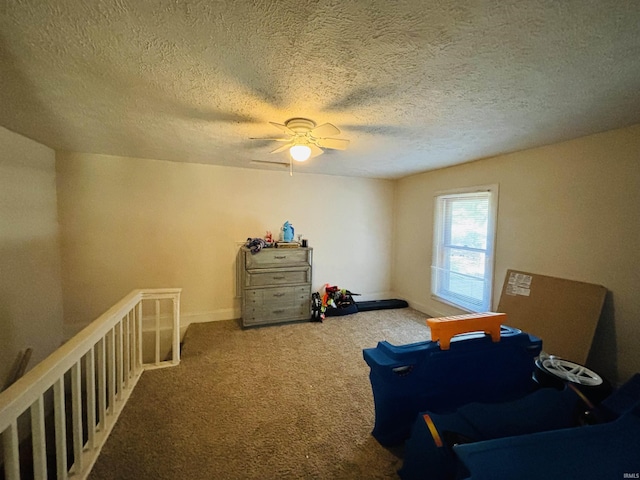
(275, 285)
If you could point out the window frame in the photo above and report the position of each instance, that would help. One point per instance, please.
(438, 269)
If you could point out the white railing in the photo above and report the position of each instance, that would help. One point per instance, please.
(85, 383)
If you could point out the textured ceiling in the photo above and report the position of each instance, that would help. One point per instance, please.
(414, 85)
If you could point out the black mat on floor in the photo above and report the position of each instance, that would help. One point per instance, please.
(381, 304)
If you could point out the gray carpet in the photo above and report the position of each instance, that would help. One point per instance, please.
(277, 402)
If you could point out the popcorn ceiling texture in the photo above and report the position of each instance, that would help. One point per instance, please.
(415, 85)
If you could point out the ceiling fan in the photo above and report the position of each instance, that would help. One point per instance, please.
(305, 140)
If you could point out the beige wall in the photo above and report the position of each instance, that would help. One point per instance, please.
(30, 290)
(132, 223)
(569, 210)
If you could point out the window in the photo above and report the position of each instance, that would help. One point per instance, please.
(464, 233)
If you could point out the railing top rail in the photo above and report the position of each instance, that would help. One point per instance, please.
(15, 399)
(159, 292)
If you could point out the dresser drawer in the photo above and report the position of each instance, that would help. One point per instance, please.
(286, 313)
(275, 276)
(286, 296)
(277, 257)
(269, 305)
(276, 314)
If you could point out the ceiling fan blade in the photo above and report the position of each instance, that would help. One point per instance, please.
(324, 130)
(315, 150)
(334, 143)
(283, 128)
(274, 139)
(282, 148)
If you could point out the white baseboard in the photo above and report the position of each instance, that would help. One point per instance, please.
(434, 312)
(421, 307)
(212, 316)
(366, 297)
(187, 319)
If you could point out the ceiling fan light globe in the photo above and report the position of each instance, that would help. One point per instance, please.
(300, 153)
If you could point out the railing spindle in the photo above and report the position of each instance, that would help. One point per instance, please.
(38, 440)
(111, 369)
(102, 384)
(60, 428)
(139, 328)
(76, 416)
(176, 330)
(127, 352)
(11, 452)
(90, 367)
(157, 332)
(134, 343)
(120, 359)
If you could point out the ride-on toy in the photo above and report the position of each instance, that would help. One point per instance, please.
(423, 376)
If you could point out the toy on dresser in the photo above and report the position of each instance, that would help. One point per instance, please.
(287, 232)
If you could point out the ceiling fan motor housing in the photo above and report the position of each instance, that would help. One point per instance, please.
(300, 125)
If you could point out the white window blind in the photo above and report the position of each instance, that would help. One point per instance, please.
(464, 233)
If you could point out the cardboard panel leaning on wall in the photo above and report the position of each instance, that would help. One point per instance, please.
(563, 313)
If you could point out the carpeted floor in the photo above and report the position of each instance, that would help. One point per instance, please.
(277, 402)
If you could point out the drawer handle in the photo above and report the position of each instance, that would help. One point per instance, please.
(278, 311)
(280, 257)
(281, 277)
(279, 294)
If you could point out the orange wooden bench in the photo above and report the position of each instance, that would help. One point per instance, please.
(443, 328)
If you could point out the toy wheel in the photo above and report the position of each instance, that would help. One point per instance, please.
(552, 371)
(571, 372)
